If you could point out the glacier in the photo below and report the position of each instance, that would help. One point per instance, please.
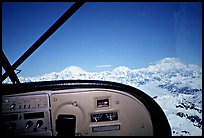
(175, 86)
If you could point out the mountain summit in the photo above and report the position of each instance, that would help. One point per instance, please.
(72, 70)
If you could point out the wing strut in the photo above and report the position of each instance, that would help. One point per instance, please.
(44, 37)
(8, 68)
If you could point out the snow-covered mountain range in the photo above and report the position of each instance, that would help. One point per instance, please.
(175, 86)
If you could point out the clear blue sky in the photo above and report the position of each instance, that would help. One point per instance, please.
(102, 33)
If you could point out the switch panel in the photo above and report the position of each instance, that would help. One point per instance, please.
(26, 115)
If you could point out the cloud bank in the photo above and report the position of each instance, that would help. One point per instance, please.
(103, 66)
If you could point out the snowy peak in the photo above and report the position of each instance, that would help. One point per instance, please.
(121, 69)
(164, 65)
(72, 70)
(168, 63)
(169, 60)
(170, 69)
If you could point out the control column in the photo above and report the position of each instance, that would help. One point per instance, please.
(65, 125)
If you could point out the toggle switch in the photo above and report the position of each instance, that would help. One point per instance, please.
(12, 106)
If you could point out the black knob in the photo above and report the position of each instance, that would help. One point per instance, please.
(39, 123)
(28, 124)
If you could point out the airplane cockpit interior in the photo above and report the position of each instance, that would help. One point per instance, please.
(76, 107)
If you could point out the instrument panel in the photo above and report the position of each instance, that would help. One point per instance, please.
(83, 111)
(94, 119)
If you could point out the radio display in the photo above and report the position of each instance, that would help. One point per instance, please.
(34, 115)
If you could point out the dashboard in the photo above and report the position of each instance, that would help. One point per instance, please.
(80, 108)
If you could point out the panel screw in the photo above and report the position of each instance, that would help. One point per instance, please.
(142, 126)
(55, 99)
(117, 102)
(74, 103)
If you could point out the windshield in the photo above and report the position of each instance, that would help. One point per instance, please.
(156, 47)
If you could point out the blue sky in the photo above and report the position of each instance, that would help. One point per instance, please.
(102, 35)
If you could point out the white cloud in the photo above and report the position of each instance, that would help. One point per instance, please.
(103, 66)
